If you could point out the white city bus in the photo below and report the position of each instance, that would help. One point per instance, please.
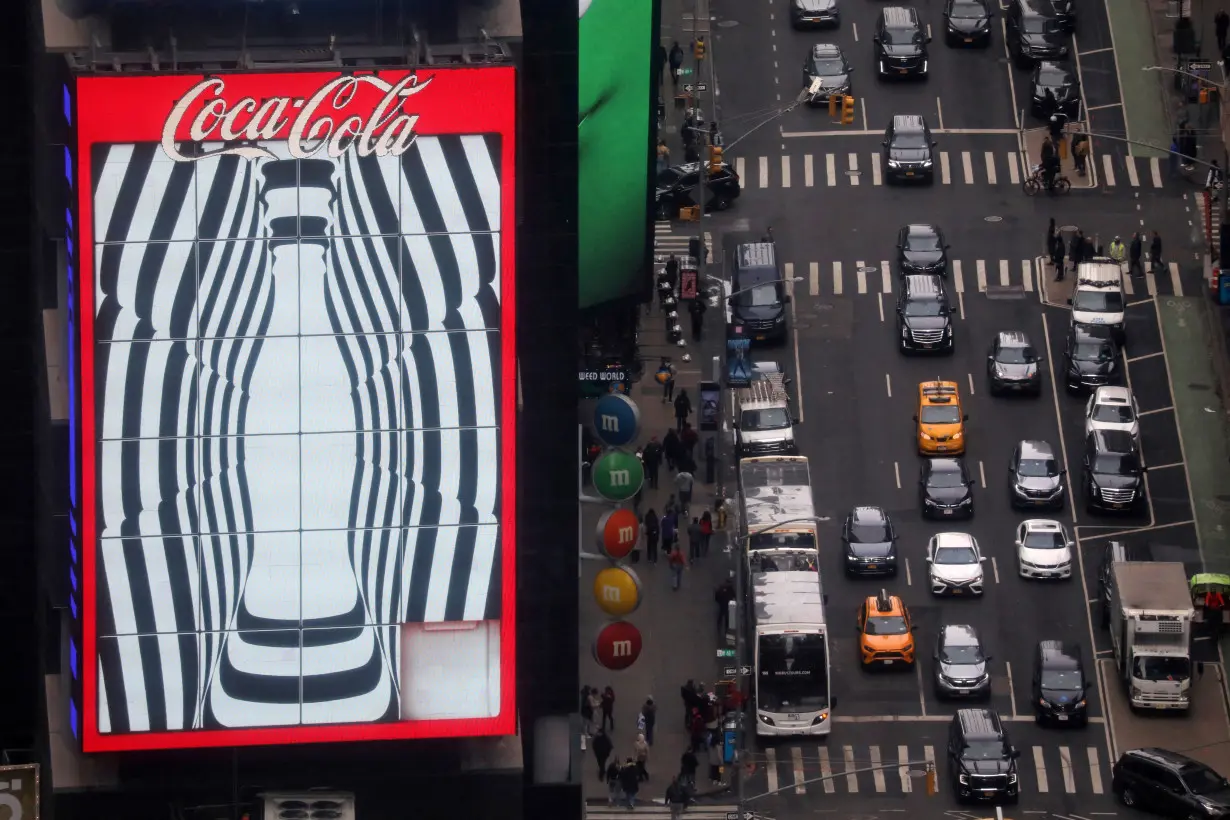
(791, 649)
(776, 489)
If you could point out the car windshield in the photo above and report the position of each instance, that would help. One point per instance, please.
(1203, 780)
(827, 67)
(922, 242)
(1098, 301)
(668, 177)
(1061, 679)
(969, 653)
(984, 750)
(956, 555)
(946, 478)
(1113, 413)
(924, 308)
(941, 414)
(968, 11)
(759, 296)
(901, 36)
(1091, 352)
(910, 139)
(774, 418)
(1044, 540)
(1154, 668)
(1037, 467)
(1016, 355)
(887, 625)
(1114, 464)
(869, 534)
(1053, 77)
(1039, 25)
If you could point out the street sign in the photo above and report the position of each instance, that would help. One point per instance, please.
(1200, 66)
(685, 71)
(617, 591)
(731, 671)
(726, 653)
(618, 531)
(690, 87)
(617, 420)
(745, 670)
(617, 645)
(618, 475)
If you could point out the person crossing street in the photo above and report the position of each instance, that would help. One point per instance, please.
(1135, 268)
(1117, 252)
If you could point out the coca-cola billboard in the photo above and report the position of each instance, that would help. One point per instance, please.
(297, 406)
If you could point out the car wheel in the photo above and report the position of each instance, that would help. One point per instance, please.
(1127, 797)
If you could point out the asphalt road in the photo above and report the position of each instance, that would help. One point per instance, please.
(857, 392)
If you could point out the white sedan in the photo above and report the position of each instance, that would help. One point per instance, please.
(1043, 549)
(954, 564)
(1112, 408)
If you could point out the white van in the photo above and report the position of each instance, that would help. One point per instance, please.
(1098, 298)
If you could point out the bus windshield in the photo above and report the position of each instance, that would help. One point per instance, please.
(792, 673)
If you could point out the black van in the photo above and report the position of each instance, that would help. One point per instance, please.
(1116, 552)
(758, 294)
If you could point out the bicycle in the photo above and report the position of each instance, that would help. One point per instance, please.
(1035, 183)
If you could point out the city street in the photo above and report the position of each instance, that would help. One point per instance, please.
(821, 187)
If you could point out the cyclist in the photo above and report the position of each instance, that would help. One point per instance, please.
(1050, 170)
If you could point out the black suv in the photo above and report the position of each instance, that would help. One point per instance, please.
(826, 63)
(1055, 88)
(922, 249)
(870, 542)
(1091, 357)
(907, 150)
(967, 22)
(900, 43)
(981, 759)
(1114, 476)
(1034, 32)
(677, 188)
(1059, 684)
(1116, 552)
(1034, 476)
(1170, 784)
(924, 322)
(945, 489)
(758, 301)
(1013, 364)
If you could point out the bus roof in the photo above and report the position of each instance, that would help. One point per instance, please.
(787, 599)
(769, 505)
(770, 471)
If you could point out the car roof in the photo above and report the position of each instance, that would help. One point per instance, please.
(954, 539)
(1060, 654)
(868, 515)
(959, 635)
(1090, 333)
(1112, 394)
(1164, 757)
(1114, 441)
(908, 122)
(921, 229)
(1042, 525)
(979, 724)
(825, 50)
(1013, 338)
(1036, 449)
(896, 607)
(900, 16)
(945, 465)
(1036, 8)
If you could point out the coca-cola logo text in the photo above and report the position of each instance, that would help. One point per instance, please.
(323, 121)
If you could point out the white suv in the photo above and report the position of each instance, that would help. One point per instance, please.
(1112, 408)
(954, 564)
(1043, 549)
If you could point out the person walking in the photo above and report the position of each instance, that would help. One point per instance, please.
(666, 378)
(672, 449)
(1051, 233)
(629, 781)
(649, 718)
(683, 409)
(602, 751)
(694, 540)
(662, 61)
(1076, 250)
(615, 794)
(688, 439)
(650, 526)
(664, 156)
(595, 707)
(672, 273)
(684, 482)
(677, 798)
(700, 739)
(706, 532)
(670, 529)
(1055, 131)
(722, 596)
(1155, 253)
(677, 562)
(607, 704)
(1221, 23)
(1080, 152)
(1057, 258)
(696, 309)
(688, 764)
(651, 457)
(675, 58)
(640, 755)
(687, 693)
(587, 711)
(1135, 248)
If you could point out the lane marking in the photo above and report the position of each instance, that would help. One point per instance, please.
(888, 384)
(826, 771)
(982, 473)
(1040, 768)
(1065, 765)
(929, 756)
(878, 775)
(1003, 273)
(1014, 168)
(886, 278)
(897, 473)
(866, 132)
(909, 579)
(990, 157)
(837, 279)
(967, 167)
(982, 275)
(1011, 689)
(937, 718)
(1094, 51)
(903, 770)
(876, 178)
(1175, 282)
(853, 159)
(830, 169)
(851, 779)
(1153, 468)
(796, 755)
(971, 383)
(770, 755)
(1129, 287)
(939, 106)
(855, 27)
(785, 170)
(995, 568)
(1151, 282)
(1027, 273)
(1155, 171)
(1095, 769)
(1133, 178)
(945, 171)
(1122, 533)
(813, 278)
(1103, 106)
(764, 172)
(880, 304)
(957, 278)
(922, 701)
(740, 168)
(809, 170)
(861, 272)
(1108, 170)
(1144, 356)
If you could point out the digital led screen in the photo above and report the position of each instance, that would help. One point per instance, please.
(297, 406)
(615, 53)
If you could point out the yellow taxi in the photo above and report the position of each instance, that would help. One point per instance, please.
(886, 634)
(940, 421)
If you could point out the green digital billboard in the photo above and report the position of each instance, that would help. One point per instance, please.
(617, 50)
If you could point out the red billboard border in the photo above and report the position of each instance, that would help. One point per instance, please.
(134, 109)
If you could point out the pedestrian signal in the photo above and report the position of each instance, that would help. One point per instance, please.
(698, 48)
(1204, 96)
(847, 110)
(715, 159)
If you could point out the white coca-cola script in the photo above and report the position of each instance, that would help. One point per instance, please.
(323, 121)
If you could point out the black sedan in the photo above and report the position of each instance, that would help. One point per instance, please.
(870, 542)
(1055, 88)
(967, 23)
(1091, 357)
(678, 186)
(1013, 364)
(945, 489)
(922, 249)
(813, 13)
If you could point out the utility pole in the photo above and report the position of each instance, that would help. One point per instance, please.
(700, 131)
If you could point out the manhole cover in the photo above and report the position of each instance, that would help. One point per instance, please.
(853, 173)
(727, 23)
(824, 307)
(992, 219)
(1199, 387)
(868, 269)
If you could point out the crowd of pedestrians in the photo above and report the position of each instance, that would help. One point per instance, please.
(1081, 248)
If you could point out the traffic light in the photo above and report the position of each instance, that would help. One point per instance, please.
(833, 100)
(932, 790)
(847, 110)
(715, 159)
(1204, 96)
(698, 48)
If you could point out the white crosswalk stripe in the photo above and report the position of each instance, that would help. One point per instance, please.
(877, 775)
(826, 771)
(786, 171)
(1027, 274)
(847, 753)
(886, 278)
(837, 279)
(1065, 766)
(1133, 178)
(1108, 170)
(929, 757)
(696, 811)
(853, 167)
(876, 176)
(958, 280)
(945, 170)
(1175, 281)
(813, 278)
(1040, 770)
(1155, 171)
(796, 756)
(741, 171)
(1014, 168)
(990, 159)
(1095, 769)
(861, 271)
(809, 171)
(967, 165)
(830, 169)
(1129, 287)
(764, 172)
(1003, 273)
(770, 762)
(903, 769)
(981, 267)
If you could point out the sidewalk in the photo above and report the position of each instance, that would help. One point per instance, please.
(1205, 120)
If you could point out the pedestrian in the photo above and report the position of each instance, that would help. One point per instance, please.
(640, 753)
(1051, 231)
(683, 409)
(691, 153)
(1221, 22)
(1055, 130)
(688, 440)
(1134, 254)
(710, 460)
(666, 377)
(1076, 250)
(706, 532)
(587, 711)
(602, 751)
(607, 704)
(715, 136)
(664, 156)
(595, 707)
(684, 483)
(688, 764)
(651, 457)
(670, 531)
(1080, 152)
(687, 693)
(1187, 145)
(1155, 253)
(697, 311)
(698, 732)
(677, 562)
(1173, 157)
(1047, 152)
(694, 540)
(671, 272)
(715, 762)
(649, 524)
(615, 794)
(722, 596)
(672, 449)
(649, 718)
(629, 781)
(1057, 260)
(1117, 252)
(663, 59)
(677, 798)
(675, 58)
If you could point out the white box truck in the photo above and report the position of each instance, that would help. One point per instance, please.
(1151, 633)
